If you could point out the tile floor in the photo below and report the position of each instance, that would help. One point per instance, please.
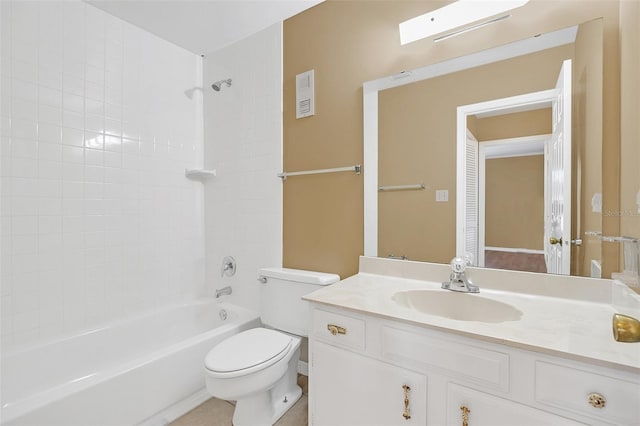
(216, 412)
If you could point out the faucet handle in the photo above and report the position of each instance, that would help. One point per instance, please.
(228, 266)
(458, 265)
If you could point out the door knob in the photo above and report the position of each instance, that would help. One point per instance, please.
(554, 240)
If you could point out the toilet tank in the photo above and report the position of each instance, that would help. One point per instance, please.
(281, 304)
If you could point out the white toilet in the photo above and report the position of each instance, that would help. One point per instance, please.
(258, 368)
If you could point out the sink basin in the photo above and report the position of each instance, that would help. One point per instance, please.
(457, 306)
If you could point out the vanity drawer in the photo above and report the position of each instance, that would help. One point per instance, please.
(339, 329)
(463, 361)
(588, 393)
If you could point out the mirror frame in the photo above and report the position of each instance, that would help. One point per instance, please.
(370, 91)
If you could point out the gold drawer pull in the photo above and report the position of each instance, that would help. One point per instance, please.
(597, 401)
(465, 415)
(406, 414)
(336, 329)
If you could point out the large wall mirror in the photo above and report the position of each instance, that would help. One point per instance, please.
(413, 130)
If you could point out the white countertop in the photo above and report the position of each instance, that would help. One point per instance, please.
(572, 328)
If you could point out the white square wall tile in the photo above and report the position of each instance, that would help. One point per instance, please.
(73, 189)
(73, 172)
(24, 50)
(24, 71)
(72, 154)
(50, 96)
(49, 133)
(24, 168)
(73, 119)
(94, 123)
(94, 90)
(23, 148)
(49, 114)
(71, 136)
(24, 225)
(51, 65)
(74, 192)
(50, 169)
(73, 84)
(49, 206)
(24, 110)
(113, 143)
(50, 243)
(50, 225)
(73, 102)
(24, 244)
(24, 129)
(25, 90)
(93, 140)
(49, 152)
(49, 188)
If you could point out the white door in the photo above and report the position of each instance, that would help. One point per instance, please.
(557, 197)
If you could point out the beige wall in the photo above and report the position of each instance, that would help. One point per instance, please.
(537, 122)
(630, 177)
(349, 42)
(514, 200)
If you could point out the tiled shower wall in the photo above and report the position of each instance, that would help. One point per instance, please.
(98, 125)
(243, 142)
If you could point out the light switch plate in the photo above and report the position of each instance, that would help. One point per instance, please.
(442, 195)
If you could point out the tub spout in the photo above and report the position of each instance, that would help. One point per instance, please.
(223, 291)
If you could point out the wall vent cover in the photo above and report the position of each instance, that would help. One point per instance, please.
(305, 94)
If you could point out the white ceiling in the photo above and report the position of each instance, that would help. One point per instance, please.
(203, 26)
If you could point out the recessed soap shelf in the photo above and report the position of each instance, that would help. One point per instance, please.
(199, 173)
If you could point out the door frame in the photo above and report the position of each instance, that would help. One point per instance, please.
(519, 103)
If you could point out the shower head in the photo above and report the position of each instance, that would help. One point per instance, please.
(218, 84)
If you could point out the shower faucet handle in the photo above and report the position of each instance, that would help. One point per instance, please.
(228, 267)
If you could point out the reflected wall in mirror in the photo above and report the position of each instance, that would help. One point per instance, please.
(410, 132)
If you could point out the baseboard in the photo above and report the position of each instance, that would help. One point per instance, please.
(177, 410)
(303, 368)
(515, 250)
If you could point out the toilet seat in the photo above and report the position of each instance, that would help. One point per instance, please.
(246, 352)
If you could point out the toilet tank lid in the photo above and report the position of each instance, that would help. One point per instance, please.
(299, 275)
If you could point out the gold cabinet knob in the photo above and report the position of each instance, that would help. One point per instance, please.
(336, 329)
(597, 401)
(626, 329)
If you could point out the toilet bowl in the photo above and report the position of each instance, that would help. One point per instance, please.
(258, 367)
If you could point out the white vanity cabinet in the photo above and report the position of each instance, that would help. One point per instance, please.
(360, 365)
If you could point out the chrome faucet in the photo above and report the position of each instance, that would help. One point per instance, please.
(458, 281)
(223, 291)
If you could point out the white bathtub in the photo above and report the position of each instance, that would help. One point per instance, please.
(126, 373)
